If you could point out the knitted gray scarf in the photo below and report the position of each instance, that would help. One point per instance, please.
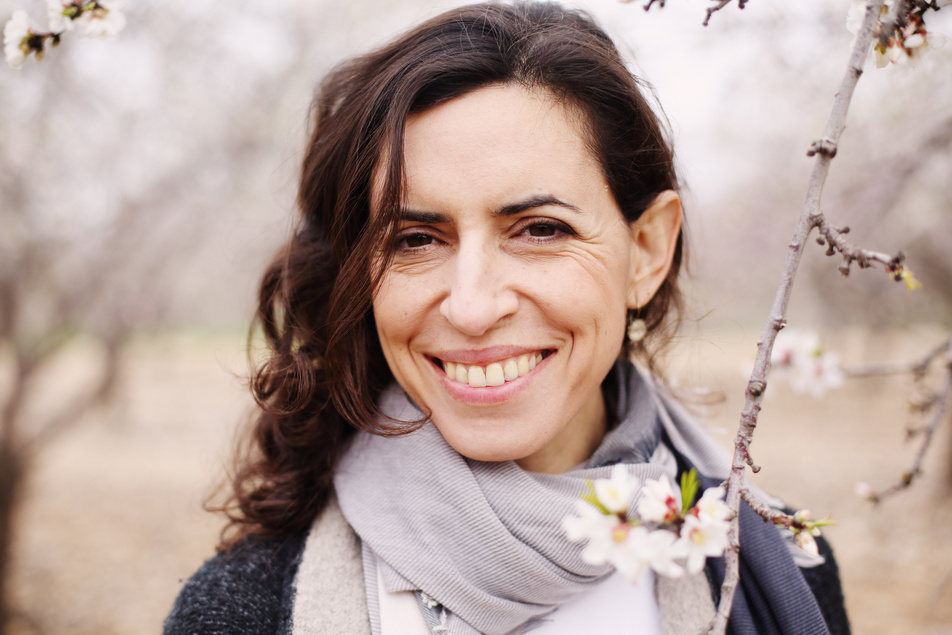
(484, 540)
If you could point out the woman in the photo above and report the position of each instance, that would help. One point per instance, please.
(490, 229)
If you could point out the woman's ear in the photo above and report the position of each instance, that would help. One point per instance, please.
(654, 238)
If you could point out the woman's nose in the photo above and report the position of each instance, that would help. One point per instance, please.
(479, 295)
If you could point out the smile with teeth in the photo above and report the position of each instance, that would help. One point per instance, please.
(495, 374)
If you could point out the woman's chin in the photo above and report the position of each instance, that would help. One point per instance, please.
(498, 448)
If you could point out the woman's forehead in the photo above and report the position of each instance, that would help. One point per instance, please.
(488, 122)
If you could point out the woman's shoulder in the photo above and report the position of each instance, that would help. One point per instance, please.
(248, 589)
(824, 582)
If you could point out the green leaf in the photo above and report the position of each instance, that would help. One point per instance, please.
(690, 484)
(592, 498)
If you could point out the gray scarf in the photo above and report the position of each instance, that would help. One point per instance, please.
(484, 541)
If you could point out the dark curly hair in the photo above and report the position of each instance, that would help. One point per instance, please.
(325, 368)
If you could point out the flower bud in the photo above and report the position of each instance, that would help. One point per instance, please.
(802, 516)
(806, 542)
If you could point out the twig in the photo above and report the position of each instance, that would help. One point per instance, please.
(917, 367)
(796, 523)
(720, 4)
(823, 151)
(942, 407)
(766, 512)
(834, 240)
(717, 6)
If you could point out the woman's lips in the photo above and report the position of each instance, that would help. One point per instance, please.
(492, 374)
(487, 384)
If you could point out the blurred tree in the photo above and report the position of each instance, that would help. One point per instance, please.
(888, 181)
(123, 166)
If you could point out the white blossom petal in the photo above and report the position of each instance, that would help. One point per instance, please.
(658, 503)
(15, 33)
(603, 532)
(711, 506)
(863, 489)
(895, 53)
(881, 60)
(59, 23)
(630, 560)
(103, 23)
(701, 539)
(806, 542)
(616, 493)
(643, 550)
(798, 356)
(589, 523)
(663, 553)
(914, 41)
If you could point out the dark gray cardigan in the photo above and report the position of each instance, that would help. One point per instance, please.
(250, 591)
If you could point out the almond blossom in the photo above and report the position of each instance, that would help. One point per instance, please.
(792, 346)
(863, 489)
(16, 34)
(711, 506)
(658, 504)
(603, 532)
(645, 550)
(818, 376)
(907, 43)
(60, 15)
(94, 19)
(798, 356)
(662, 537)
(701, 538)
(807, 542)
(616, 493)
(102, 21)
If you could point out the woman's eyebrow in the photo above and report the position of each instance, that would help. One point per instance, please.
(425, 218)
(532, 202)
(435, 218)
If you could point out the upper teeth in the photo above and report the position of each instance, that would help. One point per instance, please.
(495, 374)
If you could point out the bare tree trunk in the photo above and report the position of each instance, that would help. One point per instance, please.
(16, 448)
(11, 473)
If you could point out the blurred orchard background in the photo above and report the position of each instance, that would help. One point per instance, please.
(145, 181)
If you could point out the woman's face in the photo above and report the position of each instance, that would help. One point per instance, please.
(504, 306)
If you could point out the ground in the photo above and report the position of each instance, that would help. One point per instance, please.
(112, 521)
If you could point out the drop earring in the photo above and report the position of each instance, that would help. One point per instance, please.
(637, 328)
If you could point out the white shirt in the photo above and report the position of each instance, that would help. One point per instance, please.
(607, 607)
(614, 606)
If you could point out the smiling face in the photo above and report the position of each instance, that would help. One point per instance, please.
(504, 306)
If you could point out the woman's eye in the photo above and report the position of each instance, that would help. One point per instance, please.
(546, 230)
(415, 241)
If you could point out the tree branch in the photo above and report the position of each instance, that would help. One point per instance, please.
(942, 407)
(75, 409)
(769, 514)
(824, 150)
(717, 6)
(834, 240)
(917, 367)
(720, 4)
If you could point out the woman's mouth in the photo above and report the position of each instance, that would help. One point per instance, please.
(495, 373)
